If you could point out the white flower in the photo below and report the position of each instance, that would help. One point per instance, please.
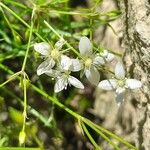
(62, 75)
(91, 60)
(51, 55)
(119, 83)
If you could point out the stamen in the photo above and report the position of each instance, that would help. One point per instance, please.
(55, 54)
(88, 62)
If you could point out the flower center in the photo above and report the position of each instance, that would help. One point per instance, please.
(88, 62)
(121, 83)
(67, 73)
(55, 54)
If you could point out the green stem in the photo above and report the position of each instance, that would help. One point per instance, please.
(101, 134)
(20, 19)
(17, 4)
(51, 28)
(11, 78)
(29, 42)
(38, 142)
(91, 32)
(77, 116)
(74, 114)
(25, 102)
(110, 134)
(30, 109)
(97, 147)
(18, 148)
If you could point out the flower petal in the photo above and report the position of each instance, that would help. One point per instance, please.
(65, 62)
(60, 84)
(59, 44)
(133, 83)
(109, 57)
(119, 71)
(85, 46)
(108, 84)
(45, 66)
(92, 75)
(75, 65)
(75, 82)
(42, 48)
(98, 60)
(52, 73)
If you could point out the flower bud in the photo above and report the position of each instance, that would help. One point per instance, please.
(22, 136)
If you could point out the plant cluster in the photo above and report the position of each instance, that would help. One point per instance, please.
(59, 66)
(29, 28)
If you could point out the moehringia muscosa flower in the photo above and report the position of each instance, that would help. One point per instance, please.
(51, 55)
(120, 83)
(91, 61)
(62, 74)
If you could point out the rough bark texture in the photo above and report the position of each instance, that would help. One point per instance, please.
(136, 15)
(132, 120)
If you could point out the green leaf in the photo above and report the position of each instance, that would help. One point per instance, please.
(31, 129)
(114, 13)
(16, 115)
(1, 101)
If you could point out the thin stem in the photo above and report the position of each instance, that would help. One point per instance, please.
(11, 78)
(74, 50)
(20, 19)
(101, 134)
(110, 134)
(30, 109)
(17, 4)
(72, 13)
(29, 42)
(74, 114)
(77, 116)
(25, 102)
(38, 141)
(97, 147)
(91, 32)
(18, 148)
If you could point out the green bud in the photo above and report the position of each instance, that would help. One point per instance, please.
(85, 32)
(22, 136)
(24, 82)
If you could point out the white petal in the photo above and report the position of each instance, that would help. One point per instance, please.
(92, 75)
(59, 44)
(60, 84)
(65, 62)
(119, 71)
(75, 82)
(133, 83)
(75, 65)
(42, 48)
(52, 73)
(108, 84)
(45, 66)
(98, 60)
(109, 57)
(85, 46)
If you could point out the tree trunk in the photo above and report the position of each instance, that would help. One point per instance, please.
(136, 15)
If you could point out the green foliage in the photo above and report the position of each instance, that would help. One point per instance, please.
(16, 115)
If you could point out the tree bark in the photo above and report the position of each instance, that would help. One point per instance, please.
(136, 16)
